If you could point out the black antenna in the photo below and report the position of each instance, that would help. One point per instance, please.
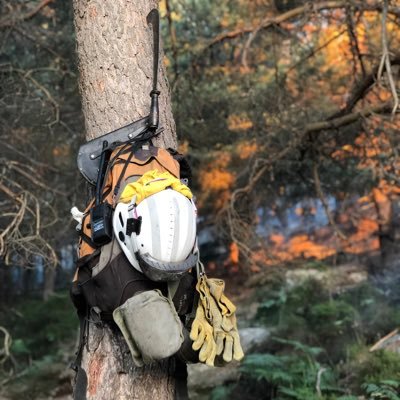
(153, 18)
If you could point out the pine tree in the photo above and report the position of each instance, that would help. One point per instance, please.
(115, 57)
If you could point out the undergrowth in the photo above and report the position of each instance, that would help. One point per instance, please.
(43, 337)
(320, 348)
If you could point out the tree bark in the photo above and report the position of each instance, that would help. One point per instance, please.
(7, 288)
(386, 228)
(50, 274)
(115, 58)
(115, 54)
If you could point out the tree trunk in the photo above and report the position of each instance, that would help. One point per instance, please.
(386, 228)
(7, 288)
(49, 282)
(115, 54)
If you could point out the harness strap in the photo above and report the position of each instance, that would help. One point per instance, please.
(121, 175)
(110, 165)
(81, 380)
(88, 240)
(181, 376)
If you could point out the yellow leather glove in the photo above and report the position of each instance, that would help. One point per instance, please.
(202, 335)
(205, 296)
(220, 312)
(217, 287)
(211, 310)
(228, 343)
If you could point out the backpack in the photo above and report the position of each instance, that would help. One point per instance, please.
(104, 278)
(127, 163)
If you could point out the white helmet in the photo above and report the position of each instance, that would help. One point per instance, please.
(159, 235)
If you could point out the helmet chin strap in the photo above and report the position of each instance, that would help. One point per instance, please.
(172, 288)
(132, 204)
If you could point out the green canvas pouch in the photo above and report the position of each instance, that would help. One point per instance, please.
(150, 326)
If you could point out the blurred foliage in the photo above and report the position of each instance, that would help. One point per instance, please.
(321, 339)
(43, 338)
(293, 375)
(38, 326)
(384, 390)
(40, 130)
(248, 94)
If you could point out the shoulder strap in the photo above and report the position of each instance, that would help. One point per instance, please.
(122, 174)
(81, 380)
(111, 163)
(184, 166)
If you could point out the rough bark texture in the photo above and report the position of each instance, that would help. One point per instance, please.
(112, 375)
(115, 55)
(114, 46)
(49, 282)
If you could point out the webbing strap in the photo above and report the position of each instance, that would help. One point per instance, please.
(88, 240)
(81, 380)
(172, 288)
(122, 174)
(110, 165)
(81, 383)
(181, 376)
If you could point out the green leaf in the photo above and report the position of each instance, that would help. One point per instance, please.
(19, 347)
(391, 382)
(268, 304)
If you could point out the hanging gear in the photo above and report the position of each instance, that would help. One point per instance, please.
(150, 326)
(202, 336)
(227, 339)
(101, 212)
(127, 164)
(158, 236)
(215, 312)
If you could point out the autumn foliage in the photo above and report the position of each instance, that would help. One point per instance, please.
(282, 95)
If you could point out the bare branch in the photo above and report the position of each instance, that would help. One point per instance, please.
(22, 170)
(355, 48)
(378, 344)
(12, 240)
(295, 12)
(348, 118)
(313, 52)
(385, 61)
(30, 159)
(5, 352)
(48, 95)
(361, 89)
(8, 21)
(240, 229)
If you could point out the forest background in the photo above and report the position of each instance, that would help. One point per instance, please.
(288, 113)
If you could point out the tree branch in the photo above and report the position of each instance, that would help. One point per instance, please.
(360, 89)
(385, 61)
(5, 352)
(8, 21)
(348, 119)
(323, 5)
(261, 166)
